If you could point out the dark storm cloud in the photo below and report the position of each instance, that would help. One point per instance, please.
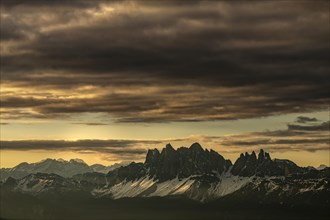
(325, 126)
(19, 102)
(112, 148)
(10, 30)
(280, 142)
(303, 119)
(176, 61)
(90, 123)
(116, 145)
(120, 149)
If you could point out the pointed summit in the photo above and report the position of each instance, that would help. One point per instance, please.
(152, 156)
(196, 147)
(267, 156)
(249, 165)
(261, 156)
(169, 147)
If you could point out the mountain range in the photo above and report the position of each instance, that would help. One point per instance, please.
(60, 167)
(193, 173)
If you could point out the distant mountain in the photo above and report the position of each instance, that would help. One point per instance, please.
(193, 173)
(60, 167)
(106, 169)
(322, 166)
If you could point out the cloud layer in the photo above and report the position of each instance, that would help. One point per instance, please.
(310, 138)
(156, 61)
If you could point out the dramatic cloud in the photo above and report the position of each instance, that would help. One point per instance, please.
(120, 149)
(113, 149)
(295, 138)
(288, 140)
(163, 61)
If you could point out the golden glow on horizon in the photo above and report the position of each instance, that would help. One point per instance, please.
(12, 158)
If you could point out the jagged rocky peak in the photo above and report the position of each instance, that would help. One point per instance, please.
(196, 147)
(253, 155)
(249, 165)
(184, 162)
(168, 153)
(245, 165)
(261, 155)
(152, 156)
(168, 149)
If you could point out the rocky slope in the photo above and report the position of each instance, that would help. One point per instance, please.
(193, 173)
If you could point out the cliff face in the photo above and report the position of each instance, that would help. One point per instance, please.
(184, 162)
(249, 165)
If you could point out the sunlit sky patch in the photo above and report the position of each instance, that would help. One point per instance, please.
(236, 76)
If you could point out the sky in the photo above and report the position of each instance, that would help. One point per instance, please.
(106, 80)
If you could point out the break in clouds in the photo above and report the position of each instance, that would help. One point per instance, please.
(311, 137)
(164, 61)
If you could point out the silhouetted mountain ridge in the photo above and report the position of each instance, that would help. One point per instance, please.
(184, 162)
(263, 165)
(194, 173)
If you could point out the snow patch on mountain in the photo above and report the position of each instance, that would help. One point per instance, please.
(130, 188)
(77, 160)
(229, 184)
(321, 167)
(33, 184)
(172, 187)
(148, 187)
(145, 187)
